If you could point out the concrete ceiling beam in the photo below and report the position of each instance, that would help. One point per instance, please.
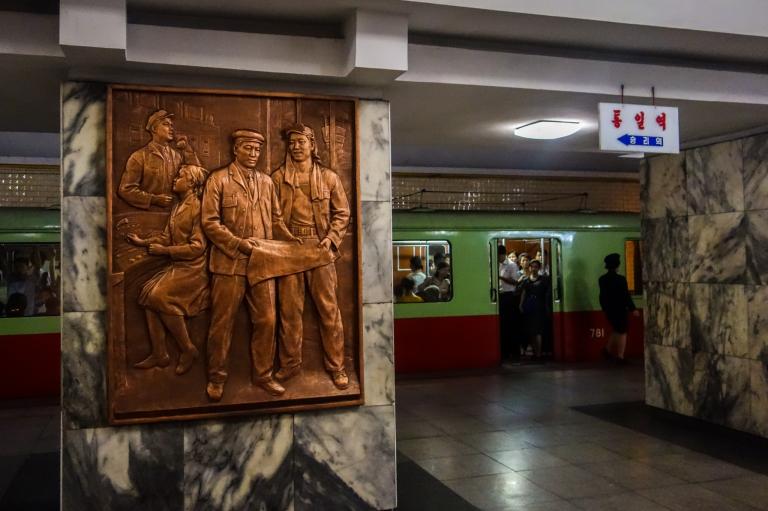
(377, 46)
(444, 65)
(93, 31)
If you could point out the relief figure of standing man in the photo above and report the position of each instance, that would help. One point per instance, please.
(316, 209)
(240, 207)
(149, 173)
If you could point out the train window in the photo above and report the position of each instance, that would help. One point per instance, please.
(30, 275)
(634, 266)
(422, 271)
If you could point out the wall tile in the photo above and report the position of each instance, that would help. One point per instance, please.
(668, 314)
(663, 190)
(83, 147)
(757, 326)
(758, 372)
(378, 338)
(375, 151)
(238, 465)
(666, 249)
(756, 244)
(127, 468)
(84, 363)
(755, 151)
(84, 254)
(721, 389)
(668, 378)
(377, 252)
(345, 459)
(719, 319)
(714, 178)
(717, 248)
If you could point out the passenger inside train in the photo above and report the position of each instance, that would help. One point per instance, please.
(29, 280)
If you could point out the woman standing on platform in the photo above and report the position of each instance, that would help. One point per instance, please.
(617, 303)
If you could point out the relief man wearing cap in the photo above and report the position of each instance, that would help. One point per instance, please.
(239, 208)
(315, 208)
(150, 171)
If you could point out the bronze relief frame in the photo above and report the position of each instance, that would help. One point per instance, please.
(234, 247)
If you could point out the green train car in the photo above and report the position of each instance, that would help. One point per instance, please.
(460, 330)
(30, 322)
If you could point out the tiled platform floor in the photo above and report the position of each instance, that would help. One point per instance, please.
(512, 440)
(503, 441)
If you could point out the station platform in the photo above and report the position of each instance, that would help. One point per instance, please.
(526, 437)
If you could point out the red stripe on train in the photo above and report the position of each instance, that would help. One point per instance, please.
(471, 342)
(31, 366)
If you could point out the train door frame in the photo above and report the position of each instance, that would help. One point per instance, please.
(554, 263)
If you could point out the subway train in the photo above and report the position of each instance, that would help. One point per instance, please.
(459, 329)
(30, 322)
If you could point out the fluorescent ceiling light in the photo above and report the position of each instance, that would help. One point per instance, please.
(547, 130)
(632, 155)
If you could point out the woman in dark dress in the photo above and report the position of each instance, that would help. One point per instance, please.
(617, 303)
(535, 304)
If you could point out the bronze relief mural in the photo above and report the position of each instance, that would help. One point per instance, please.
(234, 253)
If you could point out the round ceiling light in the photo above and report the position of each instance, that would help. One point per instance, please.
(548, 130)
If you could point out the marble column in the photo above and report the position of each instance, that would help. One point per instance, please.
(335, 459)
(705, 229)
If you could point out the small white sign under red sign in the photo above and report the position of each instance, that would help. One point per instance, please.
(638, 128)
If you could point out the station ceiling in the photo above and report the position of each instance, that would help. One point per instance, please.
(458, 120)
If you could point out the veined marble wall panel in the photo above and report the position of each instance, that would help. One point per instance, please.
(668, 314)
(345, 460)
(717, 248)
(758, 372)
(757, 317)
(340, 459)
(234, 465)
(375, 151)
(377, 252)
(757, 246)
(756, 172)
(719, 319)
(127, 468)
(666, 249)
(84, 254)
(378, 325)
(668, 378)
(721, 390)
(714, 179)
(726, 363)
(83, 146)
(84, 368)
(663, 190)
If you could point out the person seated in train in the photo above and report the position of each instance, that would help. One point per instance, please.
(408, 291)
(441, 280)
(430, 293)
(181, 289)
(24, 281)
(534, 305)
(16, 306)
(417, 274)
